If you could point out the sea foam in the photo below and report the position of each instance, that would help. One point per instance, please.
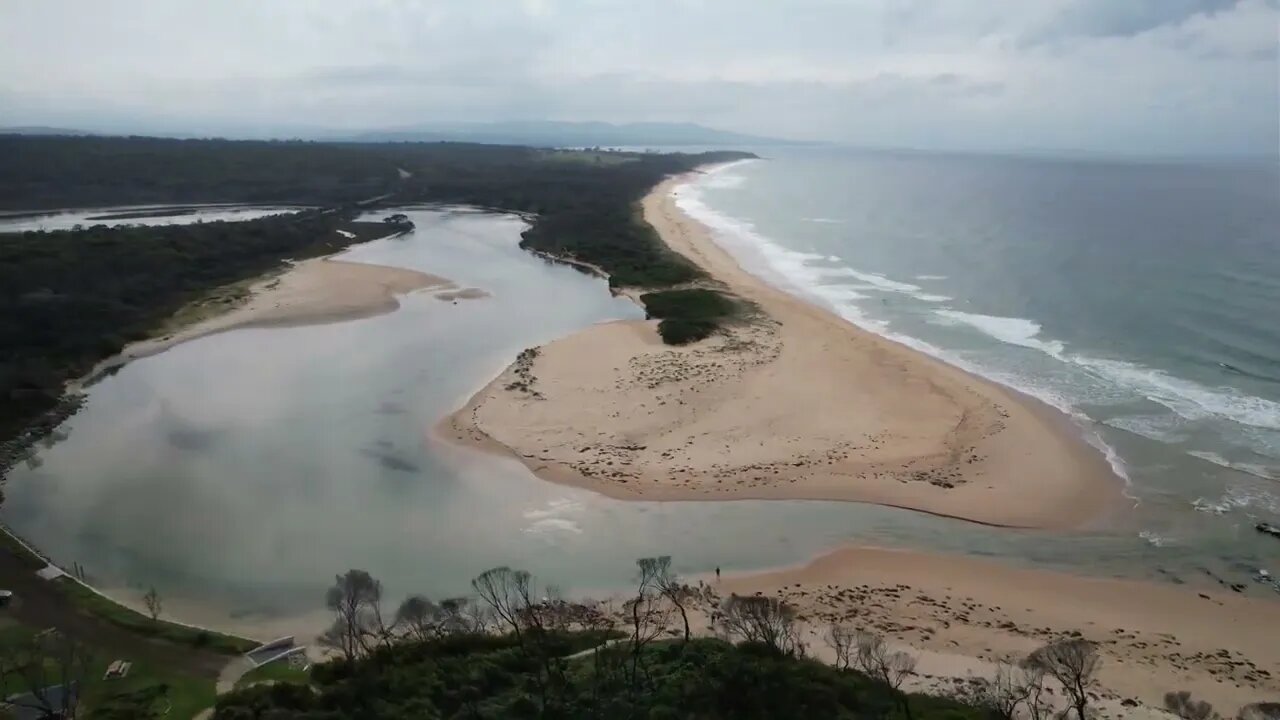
(796, 272)
(1188, 399)
(1012, 330)
(1254, 469)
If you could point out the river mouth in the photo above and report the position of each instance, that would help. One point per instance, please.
(240, 472)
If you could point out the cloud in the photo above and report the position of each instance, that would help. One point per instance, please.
(1109, 18)
(1129, 76)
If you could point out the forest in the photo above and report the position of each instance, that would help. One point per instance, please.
(69, 299)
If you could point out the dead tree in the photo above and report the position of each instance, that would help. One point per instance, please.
(765, 620)
(648, 611)
(153, 603)
(668, 585)
(420, 618)
(1015, 691)
(356, 601)
(890, 667)
(842, 640)
(1073, 663)
(502, 590)
(463, 615)
(510, 595)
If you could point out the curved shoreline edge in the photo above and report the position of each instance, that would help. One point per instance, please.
(958, 614)
(310, 292)
(813, 408)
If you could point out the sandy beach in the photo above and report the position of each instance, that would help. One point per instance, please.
(319, 290)
(961, 614)
(791, 403)
(797, 403)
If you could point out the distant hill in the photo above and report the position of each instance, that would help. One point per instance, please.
(537, 133)
(571, 134)
(40, 130)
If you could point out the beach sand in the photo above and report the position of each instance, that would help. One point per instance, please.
(798, 403)
(319, 290)
(793, 403)
(961, 614)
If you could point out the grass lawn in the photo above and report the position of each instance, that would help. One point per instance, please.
(186, 695)
(11, 545)
(107, 609)
(134, 621)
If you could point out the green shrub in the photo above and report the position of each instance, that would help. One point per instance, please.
(688, 315)
(683, 332)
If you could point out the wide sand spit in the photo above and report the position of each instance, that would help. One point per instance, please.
(792, 402)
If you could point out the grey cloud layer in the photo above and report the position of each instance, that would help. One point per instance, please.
(1107, 75)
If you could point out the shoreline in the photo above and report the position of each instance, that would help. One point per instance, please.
(615, 411)
(962, 614)
(310, 292)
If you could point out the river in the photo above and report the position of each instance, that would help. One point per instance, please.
(240, 472)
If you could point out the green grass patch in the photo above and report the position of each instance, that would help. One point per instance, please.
(11, 545)
(689, 315)
(107, 609)
(280, 671)
(184, 695)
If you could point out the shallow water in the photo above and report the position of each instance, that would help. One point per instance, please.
(1138, 298)
(244, 470)
(69, 219)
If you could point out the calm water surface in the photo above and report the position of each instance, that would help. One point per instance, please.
(245, 469)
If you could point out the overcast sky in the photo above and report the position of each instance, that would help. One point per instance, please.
(1128, 76)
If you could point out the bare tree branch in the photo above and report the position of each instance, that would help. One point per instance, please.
(1074, 663)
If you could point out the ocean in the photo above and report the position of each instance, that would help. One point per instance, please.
(1142, 299)
(239, 472)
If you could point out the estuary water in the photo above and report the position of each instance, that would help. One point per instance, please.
(241, 471)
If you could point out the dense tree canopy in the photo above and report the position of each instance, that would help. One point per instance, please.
(71, 298)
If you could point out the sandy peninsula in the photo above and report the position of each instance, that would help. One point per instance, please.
(319, 290)
(959, 615)
(792, 403)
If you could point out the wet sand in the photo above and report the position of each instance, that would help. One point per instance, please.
(793, 402)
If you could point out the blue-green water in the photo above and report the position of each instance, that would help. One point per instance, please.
(1142, 299)
(244, 470)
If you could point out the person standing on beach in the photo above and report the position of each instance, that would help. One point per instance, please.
(717, 573)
